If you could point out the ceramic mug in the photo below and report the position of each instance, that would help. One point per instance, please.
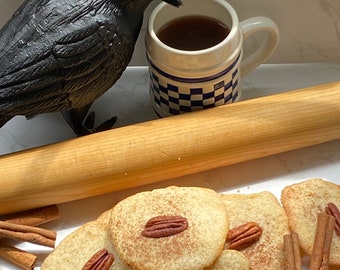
(189, 80)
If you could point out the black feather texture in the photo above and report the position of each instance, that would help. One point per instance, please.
(61, 55)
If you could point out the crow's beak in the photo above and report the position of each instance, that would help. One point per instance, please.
(175, 3)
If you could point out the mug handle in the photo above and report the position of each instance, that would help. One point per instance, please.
(266, 48)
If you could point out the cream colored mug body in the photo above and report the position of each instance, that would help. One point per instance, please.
(184, 81)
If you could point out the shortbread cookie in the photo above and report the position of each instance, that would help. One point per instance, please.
(265, 210)
(192, 228)
(302, 203)
(230, 260)
(77, 248)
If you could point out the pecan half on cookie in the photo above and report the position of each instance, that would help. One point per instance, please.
(244, 236)
(101, 260)
(164, 226)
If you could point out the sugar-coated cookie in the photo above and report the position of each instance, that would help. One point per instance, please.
(196, 247)
(265, 210)
(230, 260)
(77, 249)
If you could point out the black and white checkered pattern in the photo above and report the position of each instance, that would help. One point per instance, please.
(179, 99)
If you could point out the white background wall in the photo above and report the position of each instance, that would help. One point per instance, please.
(309, 29)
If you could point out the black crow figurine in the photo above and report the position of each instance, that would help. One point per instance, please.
(61, 55)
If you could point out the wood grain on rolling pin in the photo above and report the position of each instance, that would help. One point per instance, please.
(166, 148)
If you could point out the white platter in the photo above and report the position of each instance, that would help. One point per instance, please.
(128, 99)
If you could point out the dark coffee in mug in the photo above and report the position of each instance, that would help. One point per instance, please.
(192, 33)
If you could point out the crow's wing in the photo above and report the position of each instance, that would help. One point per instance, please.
(61, 57)
(11, 33)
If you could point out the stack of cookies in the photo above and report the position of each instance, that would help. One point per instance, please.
(197, 228)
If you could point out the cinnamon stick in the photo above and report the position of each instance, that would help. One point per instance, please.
(334, 211)
(327, 243)
(296, 250)
(322, 242)
(288, 252)
(26, 233)
(17, 256)
(20, 226)
(34, 217)
(292, 251)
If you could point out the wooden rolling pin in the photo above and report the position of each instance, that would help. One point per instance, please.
(171, 147)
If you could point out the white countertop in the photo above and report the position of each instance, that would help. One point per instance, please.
(129, 100)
